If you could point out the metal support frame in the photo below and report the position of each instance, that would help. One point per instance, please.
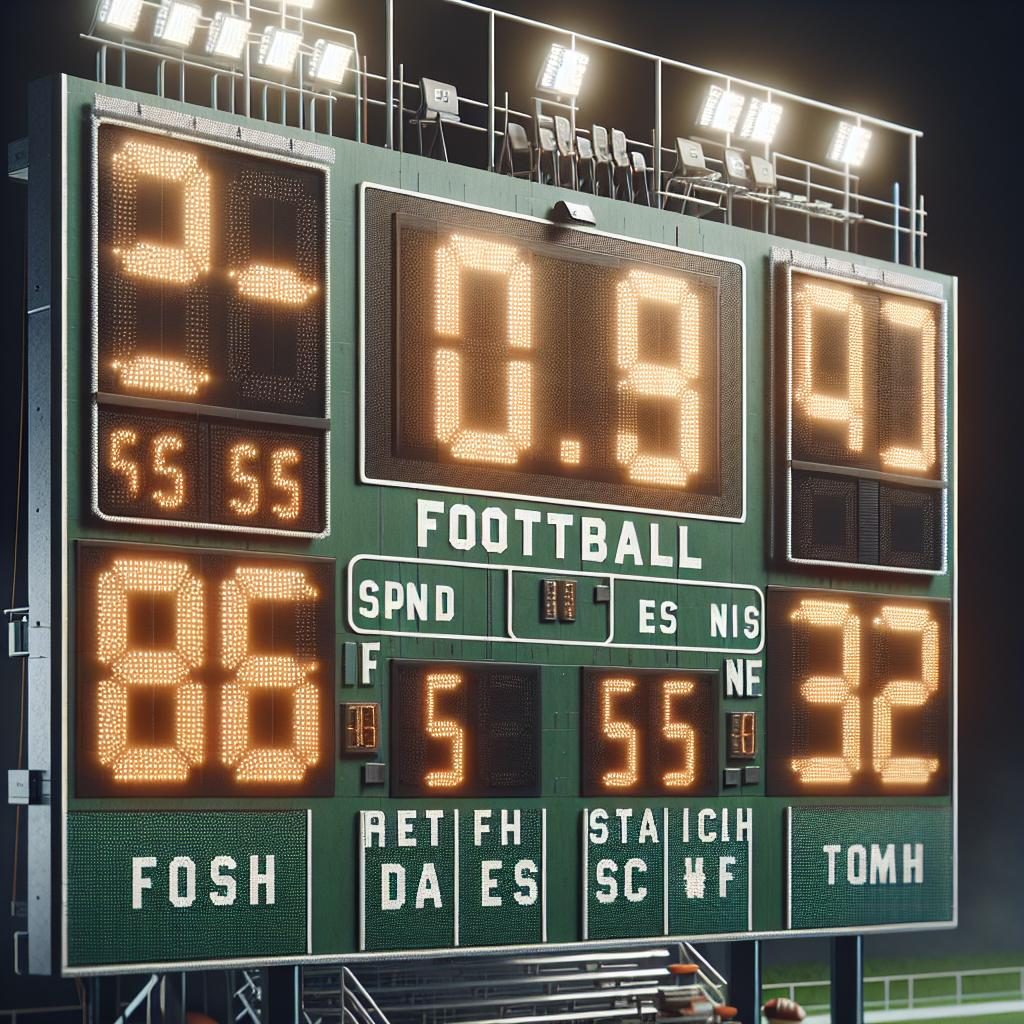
(745, 978)
(847, 961)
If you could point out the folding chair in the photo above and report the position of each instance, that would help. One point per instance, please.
(736, 174)
(622, 169)
(516, 143)
(566, 149)
(639, 173)
(691, 170)
(587, 164)
(439, 105)
(547, 146)
(763, 173)
(602, 158)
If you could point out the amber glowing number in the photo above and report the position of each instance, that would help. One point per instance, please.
(128, 670)
(188, 264)
(448, 730)
(843, 691)
(848, 406)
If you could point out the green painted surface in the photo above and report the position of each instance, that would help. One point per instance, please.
(871, 865)
(146, 887)
(382, 521)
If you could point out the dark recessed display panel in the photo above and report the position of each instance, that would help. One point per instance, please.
(187, 468)
(209, 301)
(464, 729)
(859, 696)
(203, 673)
(866, 419)
(649, 732)
(507, 355)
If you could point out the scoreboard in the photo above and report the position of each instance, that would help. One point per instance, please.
(427, 576)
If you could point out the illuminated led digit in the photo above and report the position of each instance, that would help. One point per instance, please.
(241, 456)
(263, 283)
(280, 460)
(255, 672)
(839, 690)
(120, 462)
(810, 298)
(463, 253)
(132, 669)
(445, 729)
(658, 380)
(620, 732)
(180, 265)
(916, 317)
(915, 771)
(162, 444)
(679, 732)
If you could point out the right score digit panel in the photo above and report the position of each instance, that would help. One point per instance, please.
(859, 694)
(865, 467)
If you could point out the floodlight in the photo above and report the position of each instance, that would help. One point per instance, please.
(176, 22)
(279, 48)
(330, 62)
(563, 71)
(761, 122)
(849, 144)
(228, 36)
(121, 14)
(721, 109)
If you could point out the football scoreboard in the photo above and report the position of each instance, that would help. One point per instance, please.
(414, 574)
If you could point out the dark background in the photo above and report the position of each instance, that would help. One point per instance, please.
(948, 69)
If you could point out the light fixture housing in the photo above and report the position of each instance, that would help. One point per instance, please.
(228, 36)
(761, 121)
(850, 144)
(721, 110)
(278, 49)
(120, 14)
(562, 71)
(329, 62)
(176, 22)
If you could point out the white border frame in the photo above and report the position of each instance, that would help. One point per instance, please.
(153, 128)
(364, 476)
(789, 268)
(511, 570)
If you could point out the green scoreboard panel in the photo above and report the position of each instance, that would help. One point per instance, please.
(429, 576)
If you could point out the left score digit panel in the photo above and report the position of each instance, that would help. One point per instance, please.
(203, 673)
(210, 323)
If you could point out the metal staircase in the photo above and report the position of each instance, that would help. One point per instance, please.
(609, 985)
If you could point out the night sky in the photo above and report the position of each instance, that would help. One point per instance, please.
(948, 69)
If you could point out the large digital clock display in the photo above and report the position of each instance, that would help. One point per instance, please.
(508, 355)
(203, 673)
(209, 316)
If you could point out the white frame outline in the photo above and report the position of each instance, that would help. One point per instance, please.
(789, 268)
(511, 570)
(153, 128)
(666, 811)
(365, 478)
(585, 944)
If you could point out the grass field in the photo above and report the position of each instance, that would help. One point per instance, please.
(927, 991)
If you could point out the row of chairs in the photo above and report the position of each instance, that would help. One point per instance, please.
(603, 164)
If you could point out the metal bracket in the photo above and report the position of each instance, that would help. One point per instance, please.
(24, 786)
(17, 632)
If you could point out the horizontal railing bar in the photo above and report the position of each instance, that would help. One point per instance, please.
(695, 69)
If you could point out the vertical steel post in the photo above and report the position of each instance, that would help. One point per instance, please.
(490, 91)
(657, 131)
(745, 978)
(895, 222)
(401, 107)
(247, 68)
(389, 71)
(912, 196)
(920, 250)
(847, 979)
